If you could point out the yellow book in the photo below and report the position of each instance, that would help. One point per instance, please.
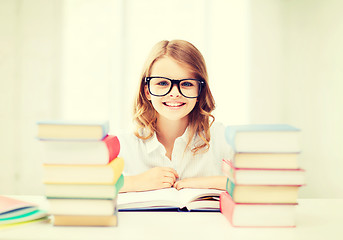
(83, 174)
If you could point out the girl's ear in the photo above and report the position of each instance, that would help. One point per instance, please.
(147, 94)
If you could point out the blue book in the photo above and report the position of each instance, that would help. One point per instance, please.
(72, 130)
(263, 138)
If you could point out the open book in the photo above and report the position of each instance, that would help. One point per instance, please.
(170, 199)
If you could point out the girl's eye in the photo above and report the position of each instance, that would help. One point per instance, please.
(187, 84)
(163, 83)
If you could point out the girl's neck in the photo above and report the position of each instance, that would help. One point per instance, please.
(168, 131)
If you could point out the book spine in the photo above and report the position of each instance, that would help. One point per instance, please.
(105, 128)
(117, 166)
(120, 183)
(113, 146)
(230, 186)
(227, 206)
(228, 169)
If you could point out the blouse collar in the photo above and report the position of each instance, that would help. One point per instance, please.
(152, 143)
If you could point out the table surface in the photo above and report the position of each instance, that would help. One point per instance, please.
(316, 219)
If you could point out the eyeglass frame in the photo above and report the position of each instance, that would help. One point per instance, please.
(173, 82)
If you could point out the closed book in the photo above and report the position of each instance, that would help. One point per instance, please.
(262, 193)
(81, 152)
(257, 214)
(267, 138)
(76, 130)
(83, 174)
(256, 176)
(266, 160)
(83, 207)
(96, 191)
(79, 220)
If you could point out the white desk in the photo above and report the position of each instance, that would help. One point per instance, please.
(316, 219)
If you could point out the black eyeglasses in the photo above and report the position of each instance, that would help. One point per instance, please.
(161, 86)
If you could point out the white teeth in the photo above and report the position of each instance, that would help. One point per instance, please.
(173, 104)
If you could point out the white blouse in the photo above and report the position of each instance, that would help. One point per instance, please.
(141, 155)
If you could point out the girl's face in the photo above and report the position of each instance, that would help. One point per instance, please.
(172, 106)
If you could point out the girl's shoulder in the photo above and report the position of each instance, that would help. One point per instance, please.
(127, 136)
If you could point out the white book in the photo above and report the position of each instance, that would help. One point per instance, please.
(89, 207)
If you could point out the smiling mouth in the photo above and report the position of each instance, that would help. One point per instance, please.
(173, 104)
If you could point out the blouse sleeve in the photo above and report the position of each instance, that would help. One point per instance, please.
(129, 151)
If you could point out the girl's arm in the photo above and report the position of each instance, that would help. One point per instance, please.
(216, 182)
(152, 179)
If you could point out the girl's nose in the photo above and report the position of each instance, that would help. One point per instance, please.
(174, 92)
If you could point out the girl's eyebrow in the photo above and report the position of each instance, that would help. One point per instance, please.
(185, 78)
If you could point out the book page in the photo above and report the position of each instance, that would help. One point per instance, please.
(154, 198)
(187, 195)
(168, 197)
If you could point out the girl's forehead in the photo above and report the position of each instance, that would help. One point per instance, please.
(169, 67)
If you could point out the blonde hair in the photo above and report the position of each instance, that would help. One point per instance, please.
(145, 115)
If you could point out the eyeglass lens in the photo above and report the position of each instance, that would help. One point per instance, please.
(161, 86)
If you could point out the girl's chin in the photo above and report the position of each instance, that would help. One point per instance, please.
(173, 117)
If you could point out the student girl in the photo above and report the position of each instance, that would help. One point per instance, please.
(176, 143)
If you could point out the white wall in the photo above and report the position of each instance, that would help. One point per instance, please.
(8, 101)
(296, 78)
(29, 87)
(314, 86)
(268, 61)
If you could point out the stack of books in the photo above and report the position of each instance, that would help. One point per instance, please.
(263, 177)
(82, 172)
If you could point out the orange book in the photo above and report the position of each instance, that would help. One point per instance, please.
(77, 220)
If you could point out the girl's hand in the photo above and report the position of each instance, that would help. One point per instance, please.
(154, 178)
(217, 182)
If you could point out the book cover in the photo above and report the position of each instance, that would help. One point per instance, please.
(89, 191)
(75, 130)
(256, 176)
(83, 174)
(257, 215)
(186, 199)
(81, 152)
(259, 138)
(262, 193)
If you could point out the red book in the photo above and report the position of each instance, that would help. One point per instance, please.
(81, 152)
(257, 214)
